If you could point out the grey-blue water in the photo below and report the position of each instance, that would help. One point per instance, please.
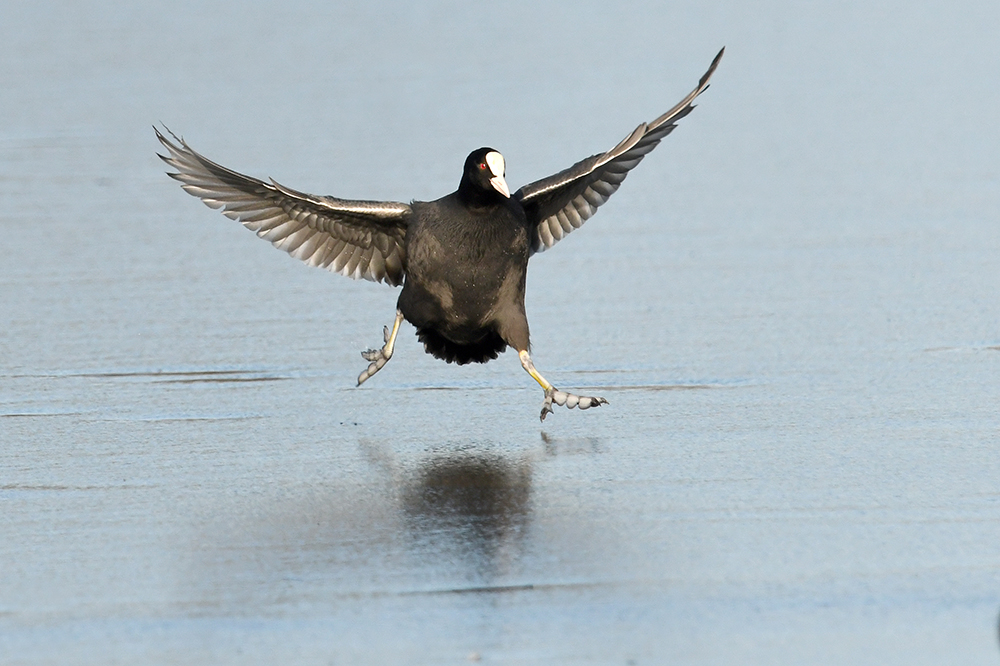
(793, 306)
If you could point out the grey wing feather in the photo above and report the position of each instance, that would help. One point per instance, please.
(563, 202)
(359, 239)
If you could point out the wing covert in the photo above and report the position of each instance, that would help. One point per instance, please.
(564, 201)
(359, 239)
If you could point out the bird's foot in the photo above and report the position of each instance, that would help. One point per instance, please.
(569, 400)
(378, 357)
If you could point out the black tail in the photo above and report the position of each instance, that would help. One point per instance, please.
(482, 351)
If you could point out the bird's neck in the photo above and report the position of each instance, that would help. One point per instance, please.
(476, 197)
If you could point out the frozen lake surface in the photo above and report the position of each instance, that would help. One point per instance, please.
(793, 307)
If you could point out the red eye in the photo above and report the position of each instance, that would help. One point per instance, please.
(482, 166)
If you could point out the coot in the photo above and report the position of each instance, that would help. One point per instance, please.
(461, 259)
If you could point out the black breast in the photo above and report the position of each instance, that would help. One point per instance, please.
(464, 287)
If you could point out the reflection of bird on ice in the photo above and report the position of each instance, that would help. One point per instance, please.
(480, 503)
(462, 259)
(472, 506)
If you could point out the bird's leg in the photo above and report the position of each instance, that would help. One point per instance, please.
(552, 394)
(379, 357)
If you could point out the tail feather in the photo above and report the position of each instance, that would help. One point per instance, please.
(482, 351)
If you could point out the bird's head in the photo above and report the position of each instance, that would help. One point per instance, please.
(484, 170)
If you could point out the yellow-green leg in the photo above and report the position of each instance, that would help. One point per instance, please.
(379, 357)
(552, 394)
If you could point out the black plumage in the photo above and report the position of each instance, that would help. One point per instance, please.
(462, 259)
(467, 257)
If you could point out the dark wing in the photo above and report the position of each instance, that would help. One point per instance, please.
(561, 203)
(359, 239)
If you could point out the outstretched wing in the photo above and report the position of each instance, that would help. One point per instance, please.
(359, 239)
(563, 202)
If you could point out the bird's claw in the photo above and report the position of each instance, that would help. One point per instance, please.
(378, 354)
(569, 400)
(378, 359)
(546, 406)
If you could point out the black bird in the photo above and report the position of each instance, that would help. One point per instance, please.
(461, 259)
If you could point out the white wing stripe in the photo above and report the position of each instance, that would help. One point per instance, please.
(576, 193)
(362, 239)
